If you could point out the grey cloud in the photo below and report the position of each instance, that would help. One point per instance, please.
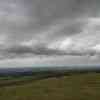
(18, 51)
(23, 18)
(44, 12)
(50, 10)
(38, 50)
(32, 19)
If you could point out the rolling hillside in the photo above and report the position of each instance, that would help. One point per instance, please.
(84, 86)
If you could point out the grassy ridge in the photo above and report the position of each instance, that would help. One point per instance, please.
(75, 87)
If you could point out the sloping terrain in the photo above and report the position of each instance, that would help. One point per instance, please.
(84, 86)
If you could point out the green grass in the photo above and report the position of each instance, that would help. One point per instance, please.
(75, 87)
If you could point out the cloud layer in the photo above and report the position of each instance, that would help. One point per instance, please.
(49, 27)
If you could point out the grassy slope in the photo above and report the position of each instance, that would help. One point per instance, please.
(75, 87)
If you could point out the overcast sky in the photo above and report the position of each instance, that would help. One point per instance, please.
(29, 28)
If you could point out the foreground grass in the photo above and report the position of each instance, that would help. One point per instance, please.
(75, 87)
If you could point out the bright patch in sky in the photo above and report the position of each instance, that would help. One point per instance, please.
(3, 39)
(61, 44)
(96, 48)
(29, 43)
(65, 44)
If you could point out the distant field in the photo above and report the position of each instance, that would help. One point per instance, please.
(85, 86)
